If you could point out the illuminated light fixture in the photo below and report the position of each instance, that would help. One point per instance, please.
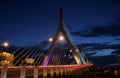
(6, 44)
(69, 55)
(61, 38)
(77, 50)
(64, 55)
(70, 50)
(50, 39)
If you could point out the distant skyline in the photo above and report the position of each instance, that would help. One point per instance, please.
(30, 22)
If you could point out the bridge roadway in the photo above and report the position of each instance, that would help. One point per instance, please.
(35, 71)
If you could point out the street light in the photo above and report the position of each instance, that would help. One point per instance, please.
(64, 55)
(70, 50)
(61, 38)
(77, 50)
(5, 44)
(50, 39)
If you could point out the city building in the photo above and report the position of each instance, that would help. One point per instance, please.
(6, 58)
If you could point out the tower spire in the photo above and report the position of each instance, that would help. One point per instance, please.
(60, 18)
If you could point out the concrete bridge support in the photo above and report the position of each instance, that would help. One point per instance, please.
(68, 72)
(61, 72)
(35, 75)
(51, 72)
(65, 73)
(57, 72)
(23, 72)
(4, 71)
(45, 73)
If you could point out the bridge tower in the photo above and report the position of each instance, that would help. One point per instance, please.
(78, 56)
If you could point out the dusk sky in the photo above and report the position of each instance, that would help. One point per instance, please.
(28, 22)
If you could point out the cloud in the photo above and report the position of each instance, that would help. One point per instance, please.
(109, 30)
(97, 46)
(97, 49)
(116, 52)
(42, 45)
(118, 38)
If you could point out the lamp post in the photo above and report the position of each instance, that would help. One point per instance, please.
(4, 68)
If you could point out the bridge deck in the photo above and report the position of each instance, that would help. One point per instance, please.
(14, 71)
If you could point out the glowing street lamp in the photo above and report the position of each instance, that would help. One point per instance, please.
(77, 50)
(70, 50)
(50, 39)
(64, 55)
(5, 44)
(61, 38)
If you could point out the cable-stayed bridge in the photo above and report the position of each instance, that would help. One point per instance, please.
(62, 58)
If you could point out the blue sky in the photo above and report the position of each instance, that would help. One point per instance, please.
(29, 22)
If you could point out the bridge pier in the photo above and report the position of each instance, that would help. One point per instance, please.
(61, 72)
(35, 75)
(68, 71)
(51, 72)
(23, 72)
(65, 72)
(4, 71)
(45, 73)
(57, 72)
